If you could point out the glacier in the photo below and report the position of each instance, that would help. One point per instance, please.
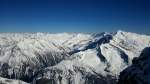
(68, 58)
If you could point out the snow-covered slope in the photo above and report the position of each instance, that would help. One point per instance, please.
(68, 58)
(10, 81)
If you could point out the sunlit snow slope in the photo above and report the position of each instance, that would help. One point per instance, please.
(68, 58)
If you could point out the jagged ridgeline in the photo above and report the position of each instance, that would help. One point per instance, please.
(28, 69)
(68, 58)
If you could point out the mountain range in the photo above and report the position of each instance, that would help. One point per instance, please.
(74, 58)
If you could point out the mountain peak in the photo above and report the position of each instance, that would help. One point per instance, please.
(68, 58)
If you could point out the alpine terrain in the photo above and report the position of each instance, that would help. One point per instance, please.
(74, 58)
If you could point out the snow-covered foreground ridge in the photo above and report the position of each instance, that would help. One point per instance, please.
(68, 58)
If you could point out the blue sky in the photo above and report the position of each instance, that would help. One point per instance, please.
(74, 16)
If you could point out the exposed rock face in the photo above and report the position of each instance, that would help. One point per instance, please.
(139, 71)
(68, 58)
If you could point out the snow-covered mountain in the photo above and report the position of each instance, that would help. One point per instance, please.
(68, 58)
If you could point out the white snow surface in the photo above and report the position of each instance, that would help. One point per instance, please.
(11, 81)
(71, 56)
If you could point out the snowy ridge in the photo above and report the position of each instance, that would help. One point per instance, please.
(66, 58)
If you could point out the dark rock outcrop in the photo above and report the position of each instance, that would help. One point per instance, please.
(139, 71)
